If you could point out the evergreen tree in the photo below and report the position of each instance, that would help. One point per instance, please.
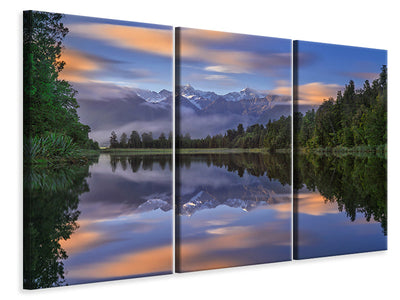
(113, 140)
(358, 117)
(162, 141)
(147, 140)
(123, 141)
(134, 140)
(49, 102)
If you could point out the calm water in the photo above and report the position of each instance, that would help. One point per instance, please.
(341, 205)
(232, 210)
(109, 220)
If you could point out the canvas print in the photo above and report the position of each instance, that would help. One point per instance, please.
(233, 168)
(340, 143)
(97, 149)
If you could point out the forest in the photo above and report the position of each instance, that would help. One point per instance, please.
(51, 123)
(356, 119)
(136, 140)
(274, 135)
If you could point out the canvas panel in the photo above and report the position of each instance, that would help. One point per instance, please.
(98, 149)
(340, 166)
(233, 167)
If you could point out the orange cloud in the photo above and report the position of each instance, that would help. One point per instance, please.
(282, 87)
(147, 261)
(195, 44)
(81, 241)
(282, 90)
(239, 61)
(207, 35)
(155, 41)
(314, 204)
(316, 92)
(76, 64)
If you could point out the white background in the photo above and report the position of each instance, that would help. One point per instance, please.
(359, 23)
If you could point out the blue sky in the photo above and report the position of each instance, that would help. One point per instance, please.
(102, 53)
(224, 62)
(326, 68)
(105, 58)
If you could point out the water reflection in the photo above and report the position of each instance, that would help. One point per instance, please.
(340, 205)
(232, 209)
(51, 198)
(124, 228)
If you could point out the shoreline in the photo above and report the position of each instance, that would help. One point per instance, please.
(169, 151)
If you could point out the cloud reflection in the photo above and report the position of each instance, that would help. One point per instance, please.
(155, 260)
(313, 203)
(229, 246)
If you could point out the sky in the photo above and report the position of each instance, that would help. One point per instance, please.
(224, 62)
(106, 57)
(324, 69)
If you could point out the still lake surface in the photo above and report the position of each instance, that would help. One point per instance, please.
(340, 205)
(112, 219)
(232, 210)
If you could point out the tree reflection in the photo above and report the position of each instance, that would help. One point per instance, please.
(356, 183)
(51, 198)
(274, 166)
(136, 162)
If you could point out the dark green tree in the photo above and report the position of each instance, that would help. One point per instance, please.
(240, 129)
(162, 141)
(170, 140)
(134, 140)
(147, 140)
(123, 140)
(113, 140)
(49, 102)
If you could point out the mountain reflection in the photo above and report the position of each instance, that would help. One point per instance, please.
(246, 181)
(232, 210)
(100, 221)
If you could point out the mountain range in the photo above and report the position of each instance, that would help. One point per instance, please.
(200, 112)
(245, 102)
(204, 112)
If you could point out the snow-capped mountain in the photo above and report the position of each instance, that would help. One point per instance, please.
(198, 98)
(203, 100)
(151, 96)
(141, 110)
(201, 112)
(154, 204)
(205, 112)
(245, 94)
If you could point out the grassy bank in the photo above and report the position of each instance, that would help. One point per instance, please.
(226, 150)
(154, 151)
(53, 149)
(136, 151)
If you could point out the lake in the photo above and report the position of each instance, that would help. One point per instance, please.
(340, 205)
(232, 210)
(110, 219)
